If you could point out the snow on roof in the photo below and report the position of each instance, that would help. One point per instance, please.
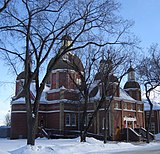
(61, 88)
(97, 96)
(93, 85)
(125, 96)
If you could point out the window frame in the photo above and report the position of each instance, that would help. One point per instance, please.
(68, 120)
(73, 119)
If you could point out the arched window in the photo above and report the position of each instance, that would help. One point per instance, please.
(125, 106)
(116, 105)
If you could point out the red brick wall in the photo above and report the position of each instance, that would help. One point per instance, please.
(18, 125)
(53, 96)
(53, 81)
(53, 120)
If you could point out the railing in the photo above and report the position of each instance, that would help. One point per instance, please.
(130, 134)
(143, 132)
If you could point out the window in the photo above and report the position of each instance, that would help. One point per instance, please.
(125, 106)
(147, 113)
(21, 84)
(139, 108)
(89, 116)
(67, 120)
(153, 127)
(132, 107)
(73, 120)
(103, 123)
(116, 105)
(78, 81)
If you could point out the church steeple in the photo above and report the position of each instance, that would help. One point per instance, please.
(132, 87)
(66, 44)
(131, 73)
(66, 41)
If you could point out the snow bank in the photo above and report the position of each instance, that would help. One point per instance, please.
(157, 137)
(66, 146)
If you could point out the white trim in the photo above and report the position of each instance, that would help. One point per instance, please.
(20, 80)
(118, 109)
(129, 119)
(125, 100)
(18, 111)
(71, 111)
(52, 111)
(129, 110)
(63, 70)
(128, 89)
(60, 89)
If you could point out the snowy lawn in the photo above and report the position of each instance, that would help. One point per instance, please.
(66, 146)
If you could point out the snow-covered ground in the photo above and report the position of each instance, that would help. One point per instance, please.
(67, 146)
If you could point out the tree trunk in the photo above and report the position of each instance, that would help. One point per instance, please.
(30, 139)
(83, 136)
(149, 122)
(83, 132)
(150, 113)
(105, 124)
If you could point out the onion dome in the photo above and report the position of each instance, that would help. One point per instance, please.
(72, 62)
(66, 37)
(112, 78)
(22, 75)
(131, 74)
(131, 69)
(66, 41)
(131, 84)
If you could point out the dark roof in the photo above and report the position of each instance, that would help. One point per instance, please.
(73, 63)
(66, 37)
(112, 78)
(21, 75)
(131, 69)
(93, 92)
(131, 84)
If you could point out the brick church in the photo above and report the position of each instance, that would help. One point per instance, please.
(61, 104)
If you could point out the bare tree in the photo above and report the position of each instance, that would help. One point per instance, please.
(149, 70)
(3, 5)
(113, 62)
(7, 120)
(102, 78)
(35, 35)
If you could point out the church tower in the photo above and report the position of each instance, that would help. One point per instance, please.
(132, 87)
(106, 75)
(64, 75)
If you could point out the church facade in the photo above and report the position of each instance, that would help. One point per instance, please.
(61, 106)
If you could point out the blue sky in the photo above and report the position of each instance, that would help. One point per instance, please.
(145, 14)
